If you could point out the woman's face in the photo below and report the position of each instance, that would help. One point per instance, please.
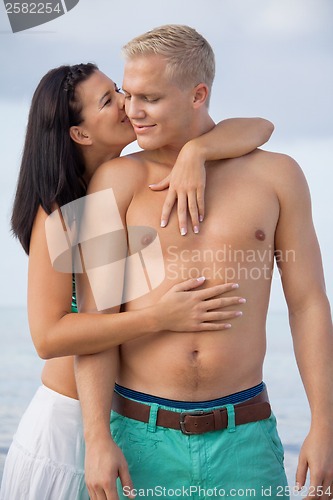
(103, 113)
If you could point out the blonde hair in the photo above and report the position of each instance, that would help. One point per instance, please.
(190, 59)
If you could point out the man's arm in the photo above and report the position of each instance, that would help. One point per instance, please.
(104, 461)
(310, 320)
(228, 139)
(96, 374)
(95, 377)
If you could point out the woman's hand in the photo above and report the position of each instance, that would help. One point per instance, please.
(230, 138)
(183, 309)
(186, 182)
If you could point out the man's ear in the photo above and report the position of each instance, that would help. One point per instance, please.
(80, 135)
(200, 94)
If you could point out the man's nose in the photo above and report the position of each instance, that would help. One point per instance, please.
(133, 109)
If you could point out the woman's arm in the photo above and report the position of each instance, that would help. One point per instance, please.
(228, 139)
(58, 332)
(231, 138)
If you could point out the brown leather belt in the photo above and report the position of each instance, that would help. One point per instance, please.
(198, 421)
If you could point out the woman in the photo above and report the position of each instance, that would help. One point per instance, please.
(76, 122)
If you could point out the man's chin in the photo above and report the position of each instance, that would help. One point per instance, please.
(147, 144)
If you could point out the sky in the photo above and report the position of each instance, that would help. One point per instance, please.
(274, 59)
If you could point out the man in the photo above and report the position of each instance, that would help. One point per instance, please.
(191, 413)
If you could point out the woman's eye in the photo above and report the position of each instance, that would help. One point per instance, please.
(107, 102)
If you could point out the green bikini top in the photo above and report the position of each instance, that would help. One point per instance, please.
(74, 303)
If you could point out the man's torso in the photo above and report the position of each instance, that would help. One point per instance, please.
(235, 244)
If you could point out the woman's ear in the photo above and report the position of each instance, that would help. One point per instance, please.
(80, 135)
(200, 94)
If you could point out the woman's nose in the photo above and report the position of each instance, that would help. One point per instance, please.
(121, 100)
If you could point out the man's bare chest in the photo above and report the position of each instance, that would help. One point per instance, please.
(240, 213)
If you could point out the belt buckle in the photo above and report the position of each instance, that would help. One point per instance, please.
(182, 422)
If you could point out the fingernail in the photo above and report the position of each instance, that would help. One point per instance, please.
(297, 486)
(227, 325)
(196, 229)
(201, 218)
(202, 278)
(163, 223)
(239, 313)
(235, 285)
(183, 231)
(242, 301)
(151, 185)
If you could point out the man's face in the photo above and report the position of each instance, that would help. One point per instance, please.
(161, 113)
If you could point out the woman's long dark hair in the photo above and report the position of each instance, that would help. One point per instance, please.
(52, 166)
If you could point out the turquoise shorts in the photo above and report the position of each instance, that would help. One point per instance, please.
(239, 462)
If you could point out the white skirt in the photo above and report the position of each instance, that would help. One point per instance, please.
(46, 458)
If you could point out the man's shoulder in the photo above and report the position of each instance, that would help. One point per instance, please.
(125, 170)
(282, 173)
(124, 166)
(264, 157)
(261, 165)
(277, 166)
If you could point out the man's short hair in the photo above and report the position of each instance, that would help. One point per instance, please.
(190, 58)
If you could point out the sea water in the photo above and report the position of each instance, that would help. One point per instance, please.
(20, 369)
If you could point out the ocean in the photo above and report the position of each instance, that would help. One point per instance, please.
(21, 367)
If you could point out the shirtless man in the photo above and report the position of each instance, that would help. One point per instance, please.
(258, 206)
